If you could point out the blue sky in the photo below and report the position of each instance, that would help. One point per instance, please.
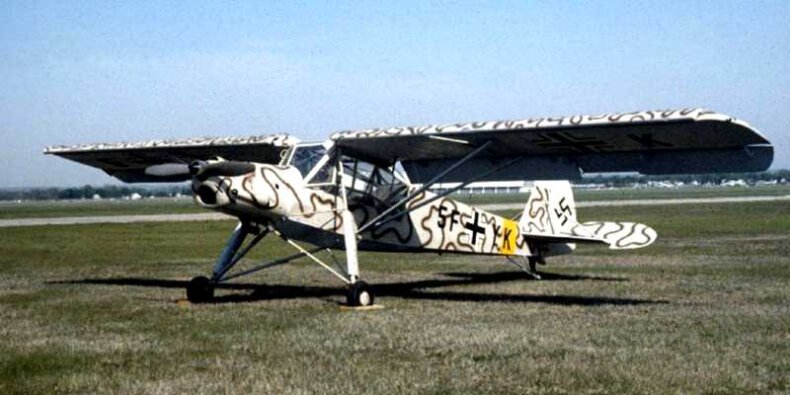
(73, 72)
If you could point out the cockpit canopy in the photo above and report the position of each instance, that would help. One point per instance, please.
(318, 166)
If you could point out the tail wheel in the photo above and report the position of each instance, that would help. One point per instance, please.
(533, 262)
(359, 294)
(200, 290)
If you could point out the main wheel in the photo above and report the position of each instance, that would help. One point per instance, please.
(200, 290)
(359, 294)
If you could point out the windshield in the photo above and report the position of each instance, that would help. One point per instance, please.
(305, 158)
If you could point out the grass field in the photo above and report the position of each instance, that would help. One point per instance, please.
(93, 308)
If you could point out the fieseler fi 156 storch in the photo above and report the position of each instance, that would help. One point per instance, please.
(370, 189)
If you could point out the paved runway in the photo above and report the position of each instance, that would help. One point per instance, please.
(213, 216)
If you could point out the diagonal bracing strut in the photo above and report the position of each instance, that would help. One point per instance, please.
(424, 187)
(449, 191)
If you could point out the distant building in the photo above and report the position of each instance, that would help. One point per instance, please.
(488, 187)
(734, 183)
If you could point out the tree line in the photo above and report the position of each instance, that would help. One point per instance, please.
(89, 192)
(119, 192)
(715, 178)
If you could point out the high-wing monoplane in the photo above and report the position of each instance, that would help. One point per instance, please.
(370, 189)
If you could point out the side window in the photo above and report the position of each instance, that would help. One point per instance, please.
(324, 175)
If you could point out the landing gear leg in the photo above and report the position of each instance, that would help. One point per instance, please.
(201, 289)
(534, 260)
(359, 293)
(533, 270)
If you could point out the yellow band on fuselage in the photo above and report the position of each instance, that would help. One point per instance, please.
(507, 246)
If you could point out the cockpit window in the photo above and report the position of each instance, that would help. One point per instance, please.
(305, 158)
(324, 175)
(366, 181)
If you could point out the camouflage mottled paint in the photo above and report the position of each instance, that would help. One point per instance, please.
(575, 121)
(277, 195)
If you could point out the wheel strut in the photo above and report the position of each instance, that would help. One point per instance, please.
(201, 289)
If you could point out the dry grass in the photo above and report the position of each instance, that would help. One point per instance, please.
(93, 309)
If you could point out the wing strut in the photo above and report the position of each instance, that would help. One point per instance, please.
(310, 255)
(447, 192)
(425, 186)
(451, 190)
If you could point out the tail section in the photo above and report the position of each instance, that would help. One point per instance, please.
(550, 210)
(550, 214)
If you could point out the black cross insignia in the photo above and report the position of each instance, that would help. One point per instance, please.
(474, 227)
(567, 141)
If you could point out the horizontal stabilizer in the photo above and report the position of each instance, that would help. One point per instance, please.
(622, 235)
(550, 216)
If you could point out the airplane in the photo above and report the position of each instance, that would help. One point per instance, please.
(370, 190)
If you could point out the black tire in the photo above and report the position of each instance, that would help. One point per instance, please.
(359, 294)
(200, 290)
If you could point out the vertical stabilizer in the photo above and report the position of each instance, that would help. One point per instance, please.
(550, 210)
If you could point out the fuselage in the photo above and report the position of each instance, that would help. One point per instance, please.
(309, 195)
(278, 196)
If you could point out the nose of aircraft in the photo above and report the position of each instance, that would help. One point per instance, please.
(212, 181)
(210, 193)
(240, 193)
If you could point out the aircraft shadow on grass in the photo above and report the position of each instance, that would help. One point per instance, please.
(421, 289)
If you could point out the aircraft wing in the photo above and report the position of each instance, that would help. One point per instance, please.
(650, 142)
(134, 162)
